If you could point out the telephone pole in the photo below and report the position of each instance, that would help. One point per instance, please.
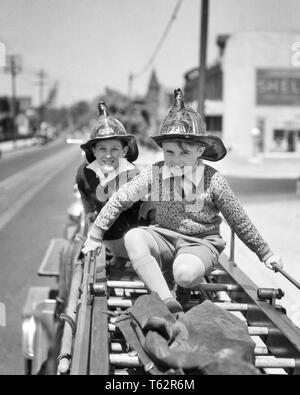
(202, 55)
(14, 68)
(130, 82)
(41, 83)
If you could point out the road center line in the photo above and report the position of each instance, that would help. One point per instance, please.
(20, 188)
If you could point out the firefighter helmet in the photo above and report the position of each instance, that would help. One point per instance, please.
(184, 123)
(108, 127)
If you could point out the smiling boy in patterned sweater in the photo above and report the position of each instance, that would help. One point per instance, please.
(189, 197)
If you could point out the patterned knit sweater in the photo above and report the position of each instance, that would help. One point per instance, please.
(197, 218)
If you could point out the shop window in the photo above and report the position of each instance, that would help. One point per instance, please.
(213, 124)
(4, 105)
(278, 134)
(279, 140)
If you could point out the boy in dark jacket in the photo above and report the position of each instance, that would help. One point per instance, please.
(109, 152)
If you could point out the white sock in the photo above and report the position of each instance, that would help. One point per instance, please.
(149, 271)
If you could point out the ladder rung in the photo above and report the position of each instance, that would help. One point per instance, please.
(141, 285)
(124, 360)
(118, 302)
(126, 284)
(118, 346)
(218, 272)
(219, 287)
(121, 302)
(228, 306)
(262, 330)
(261, 350)
(121, 372)
(234, 306)
(272, 362)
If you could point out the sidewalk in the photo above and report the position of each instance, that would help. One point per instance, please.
(259, 167)
(279, 224)
(238, 166)
(8, 146)
(10, 150)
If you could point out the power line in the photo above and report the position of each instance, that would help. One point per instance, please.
(162, 39)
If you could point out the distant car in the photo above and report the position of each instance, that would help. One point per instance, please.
(75, 138)
(40, 140)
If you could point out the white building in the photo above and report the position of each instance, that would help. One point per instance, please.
(259, 100)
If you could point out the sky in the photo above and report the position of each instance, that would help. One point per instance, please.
(87, 45)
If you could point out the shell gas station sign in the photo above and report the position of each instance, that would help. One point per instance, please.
(278, 87)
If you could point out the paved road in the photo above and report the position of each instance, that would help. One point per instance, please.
(14, 161)
(32, 211)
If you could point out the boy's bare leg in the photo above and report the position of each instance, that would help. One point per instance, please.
(142, 250)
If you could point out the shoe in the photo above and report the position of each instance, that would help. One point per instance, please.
(173, 305)
(182, 295)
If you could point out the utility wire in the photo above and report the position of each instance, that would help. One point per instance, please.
(162, 39)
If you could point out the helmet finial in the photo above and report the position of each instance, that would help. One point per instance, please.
(178, 93)
(178, 102)
(103, 110)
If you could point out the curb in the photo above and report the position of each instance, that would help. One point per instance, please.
(8, 146)
(263, 176)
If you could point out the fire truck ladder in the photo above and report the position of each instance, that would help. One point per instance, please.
(92, 344)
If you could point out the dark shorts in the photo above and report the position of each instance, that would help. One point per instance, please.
(128, 219)
(171, 244)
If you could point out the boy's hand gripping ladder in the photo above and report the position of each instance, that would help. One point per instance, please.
(288, 277)
(281, 271)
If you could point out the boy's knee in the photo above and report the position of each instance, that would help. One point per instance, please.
(131, 235)
(184, 278)
(135, 243)
(188, 270)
